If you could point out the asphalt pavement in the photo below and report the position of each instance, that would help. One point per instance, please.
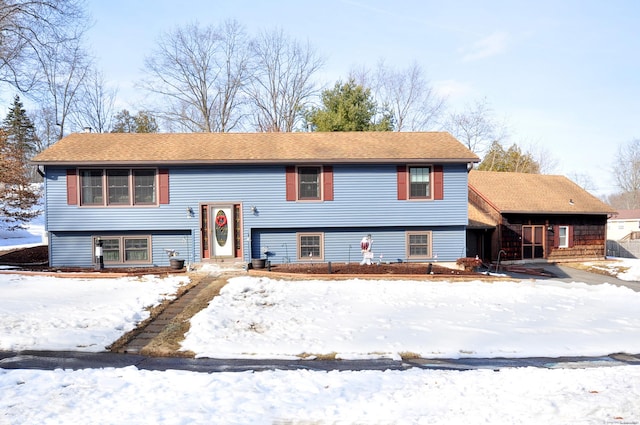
(71, 360)
(570, 274)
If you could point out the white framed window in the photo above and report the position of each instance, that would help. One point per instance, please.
(419, 182)
(310, 246)
(418, 245)
(134, 249)
(563, 236)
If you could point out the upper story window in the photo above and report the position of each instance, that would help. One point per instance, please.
(419, 182)
(309, 183)
(118, 187)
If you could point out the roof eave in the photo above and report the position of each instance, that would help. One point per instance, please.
(257, 161)
(556, 212)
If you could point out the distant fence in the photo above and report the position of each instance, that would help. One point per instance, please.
(624, 249)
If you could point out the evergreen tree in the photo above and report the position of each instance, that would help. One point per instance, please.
(512, 159)
(349, 107)
(142, 122)
(20, 130)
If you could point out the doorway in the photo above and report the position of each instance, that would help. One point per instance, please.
(532, 242)
(220, 231)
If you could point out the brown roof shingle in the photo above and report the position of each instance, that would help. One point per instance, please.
(535, 193)
(126, 148)
(478, 219)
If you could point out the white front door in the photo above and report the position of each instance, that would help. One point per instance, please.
(222, 231)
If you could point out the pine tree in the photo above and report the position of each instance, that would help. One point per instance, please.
(512, 159)
(20, 130)
(142, 122)
(349, 107)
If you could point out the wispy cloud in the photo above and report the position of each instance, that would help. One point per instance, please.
(489, 46)
(452, 89)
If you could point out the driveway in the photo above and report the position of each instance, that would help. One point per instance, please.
(570, 274)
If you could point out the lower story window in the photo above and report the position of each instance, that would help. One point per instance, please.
(310, 246)
(419, 245)
(125, 249)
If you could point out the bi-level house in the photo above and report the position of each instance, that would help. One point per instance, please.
(291, 197)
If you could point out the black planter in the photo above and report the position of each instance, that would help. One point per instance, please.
(176, 264)
(258, 263)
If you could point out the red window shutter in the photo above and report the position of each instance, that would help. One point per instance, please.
(72, 187)
(163, 185)
(438, 182)
(570, 236)
(327, 179)
(556, 236)
(402, 182)
(290, 182)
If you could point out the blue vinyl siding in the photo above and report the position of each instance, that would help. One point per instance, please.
(365, 201)
(75, 249)
(343, 245)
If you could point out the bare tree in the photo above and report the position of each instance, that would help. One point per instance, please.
(281, 86)
(199, 71)
(94, 106)
(28, 28)
(545, 160)
(623, 200)
(583, 180)
(475, 127)
(65, 68)
(626, 170)
(407, 94)
(44, 120)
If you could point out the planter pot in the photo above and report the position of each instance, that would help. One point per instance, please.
(176, 264)
(258, 263)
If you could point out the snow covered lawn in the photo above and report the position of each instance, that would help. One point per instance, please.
(49, 313)
(510, 396)
(266, 318)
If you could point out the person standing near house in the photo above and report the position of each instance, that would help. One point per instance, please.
(365, 248)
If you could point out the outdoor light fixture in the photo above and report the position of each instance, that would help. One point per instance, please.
(190, 213)
(254, 210)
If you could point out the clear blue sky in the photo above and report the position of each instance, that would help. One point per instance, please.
(565, 75)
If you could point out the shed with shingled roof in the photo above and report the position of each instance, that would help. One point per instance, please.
(535, 217)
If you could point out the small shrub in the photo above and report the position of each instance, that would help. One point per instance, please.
(469, 263)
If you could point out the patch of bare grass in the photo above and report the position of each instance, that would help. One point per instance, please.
(325, 356)
(604, 267)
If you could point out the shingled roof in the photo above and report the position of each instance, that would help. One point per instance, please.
(534, 194)
(226, 148)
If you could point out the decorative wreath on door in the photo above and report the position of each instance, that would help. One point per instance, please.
(221, 220)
